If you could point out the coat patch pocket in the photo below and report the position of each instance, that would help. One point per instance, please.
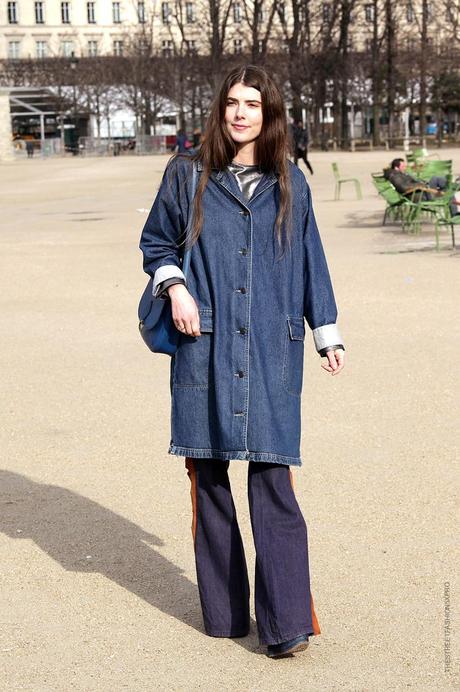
(293, 355)
(193, 358)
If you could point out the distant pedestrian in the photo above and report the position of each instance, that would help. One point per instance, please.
(299, 136)
(183, 144)
(30, 148)
(196, 138)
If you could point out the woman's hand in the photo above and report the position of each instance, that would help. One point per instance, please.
(333, 361)
(184, 310)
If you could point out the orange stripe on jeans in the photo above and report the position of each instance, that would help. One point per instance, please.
(314, 619)
(191, 472)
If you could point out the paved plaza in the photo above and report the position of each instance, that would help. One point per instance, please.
(98, 588)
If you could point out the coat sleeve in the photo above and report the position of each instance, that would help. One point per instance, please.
(164, 229)
(320, 309)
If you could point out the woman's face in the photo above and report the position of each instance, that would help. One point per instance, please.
(243, 114)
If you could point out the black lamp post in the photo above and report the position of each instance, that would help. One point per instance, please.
(73, 67)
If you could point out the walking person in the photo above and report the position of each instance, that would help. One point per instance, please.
(30, 148)
(299, 136)
(182, 144)
(257, 271)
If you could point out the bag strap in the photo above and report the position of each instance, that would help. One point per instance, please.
(188, 231)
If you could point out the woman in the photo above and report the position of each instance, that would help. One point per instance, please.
(257, 270)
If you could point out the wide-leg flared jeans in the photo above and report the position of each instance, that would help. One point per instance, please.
(283, 602)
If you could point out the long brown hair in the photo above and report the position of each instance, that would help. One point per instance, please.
(271, 147)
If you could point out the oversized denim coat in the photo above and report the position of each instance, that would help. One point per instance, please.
(236, 389)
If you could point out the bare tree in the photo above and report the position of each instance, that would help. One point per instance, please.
(259, 16)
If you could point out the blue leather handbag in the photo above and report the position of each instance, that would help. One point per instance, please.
(156, 324)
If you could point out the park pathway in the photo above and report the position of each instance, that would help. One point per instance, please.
(98, 589)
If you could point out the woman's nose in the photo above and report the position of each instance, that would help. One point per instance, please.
(239, 111)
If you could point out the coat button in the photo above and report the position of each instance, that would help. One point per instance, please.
(242, 290)
(244, 251)
(240, 373)
(242, 330)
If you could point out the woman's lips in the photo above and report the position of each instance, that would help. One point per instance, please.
(240, 127)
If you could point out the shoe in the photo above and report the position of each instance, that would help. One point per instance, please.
(299, 643)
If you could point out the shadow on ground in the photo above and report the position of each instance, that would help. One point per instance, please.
(414, 242)
(83, 536)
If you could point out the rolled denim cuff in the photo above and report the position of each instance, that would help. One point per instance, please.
(162, 291)
(325, 336)
(163, 273)
(323, 351)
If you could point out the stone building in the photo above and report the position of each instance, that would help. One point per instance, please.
(45, 28)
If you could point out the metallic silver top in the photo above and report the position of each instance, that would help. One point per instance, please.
(247, 177)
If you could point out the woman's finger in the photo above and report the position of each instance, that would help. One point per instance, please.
(196, 326)
(188, 327)
(332, 360)
(339, 357)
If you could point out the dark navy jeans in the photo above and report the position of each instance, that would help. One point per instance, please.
(283, 602)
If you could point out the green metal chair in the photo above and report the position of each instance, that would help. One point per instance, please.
(393, 199)
(340, 181)
(430, 168)
(426, 209)
(422, 153)
(448, 220)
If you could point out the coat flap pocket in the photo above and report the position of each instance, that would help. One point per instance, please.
(296, 327)
(206, 320)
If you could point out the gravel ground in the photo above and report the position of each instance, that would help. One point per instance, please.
(98, 589)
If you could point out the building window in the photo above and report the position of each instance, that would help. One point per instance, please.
(67, 49)
(92, 48)
(260, 11)
(141, 12)
(14, 50)
(41, 49)
(167, 48)
(369, 13)
(326, 11)
(238, 46)
(91, 12)
(39, 13)
(191, 46)
(12, 13)
(165, 12)
(236, 12)
(260, 46)
(65, 12)
(189, 12)
(118, 47)
(116, 13)
(144, 46)
(410, 14)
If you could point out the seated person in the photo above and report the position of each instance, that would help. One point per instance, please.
(406, 184)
